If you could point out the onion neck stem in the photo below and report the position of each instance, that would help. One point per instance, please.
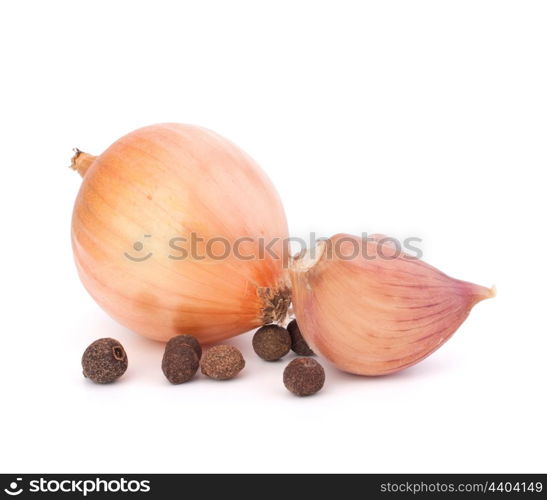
(81, 161)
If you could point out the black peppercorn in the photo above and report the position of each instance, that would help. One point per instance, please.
(271, 342)
(304, 376)
(180, 361)
(222, 362)
(104, 361)
(298, 344)
(186, 339)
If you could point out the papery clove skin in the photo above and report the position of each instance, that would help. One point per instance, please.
(376, 310)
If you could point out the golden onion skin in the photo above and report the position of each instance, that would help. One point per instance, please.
(171, 181)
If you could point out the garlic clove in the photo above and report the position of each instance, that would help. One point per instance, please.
(379, 311)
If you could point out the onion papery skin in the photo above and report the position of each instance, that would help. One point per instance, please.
(378, 314)
(168, 181)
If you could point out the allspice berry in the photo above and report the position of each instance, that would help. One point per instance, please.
(185, 339)
(304, 376)
(271, 342)
(298, 344)
(180, 360)
(222, 362)
(104, 361)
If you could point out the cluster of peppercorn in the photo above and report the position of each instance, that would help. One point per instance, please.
(105, 360)
(302, 376)
(182, 357)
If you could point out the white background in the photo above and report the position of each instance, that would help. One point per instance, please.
(423, 118)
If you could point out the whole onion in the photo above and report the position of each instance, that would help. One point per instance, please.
(146, 193)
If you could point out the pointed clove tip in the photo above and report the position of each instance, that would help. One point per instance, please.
(485, 293)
